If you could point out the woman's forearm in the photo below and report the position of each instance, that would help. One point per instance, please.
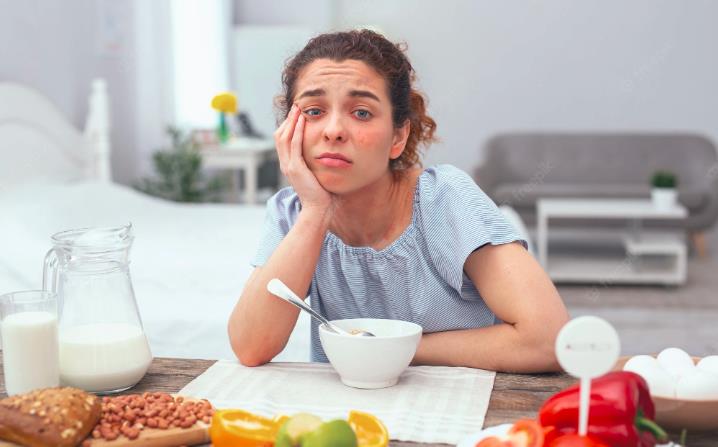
(501, 347)
(261, 323)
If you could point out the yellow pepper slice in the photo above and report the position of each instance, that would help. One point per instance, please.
(225, 102)
(370, 431)
(239, 428)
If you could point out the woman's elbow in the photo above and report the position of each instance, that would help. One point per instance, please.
(541, 356)
(545, 342)
(246, 352)
(549, 362)
(250, 359)
(248, 355)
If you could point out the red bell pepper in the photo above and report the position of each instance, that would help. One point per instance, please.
(621, 412)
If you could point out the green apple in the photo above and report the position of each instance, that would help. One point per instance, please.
(337, 433)
(292, 432)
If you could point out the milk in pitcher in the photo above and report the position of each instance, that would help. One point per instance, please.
(103, 357)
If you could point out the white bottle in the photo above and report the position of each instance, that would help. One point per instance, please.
(30, 351)
(103, 357)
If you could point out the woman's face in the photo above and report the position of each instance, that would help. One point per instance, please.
(349, 136)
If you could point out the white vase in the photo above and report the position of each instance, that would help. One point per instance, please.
(664, 198)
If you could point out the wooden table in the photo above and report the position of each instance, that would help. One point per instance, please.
(514, 396)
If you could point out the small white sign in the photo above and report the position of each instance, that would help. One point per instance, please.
(587, 347)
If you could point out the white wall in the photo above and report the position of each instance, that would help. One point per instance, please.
(32, 44)
(59, 47)
(486, 66)
(496, 66)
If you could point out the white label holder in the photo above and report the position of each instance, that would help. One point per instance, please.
(586, 348)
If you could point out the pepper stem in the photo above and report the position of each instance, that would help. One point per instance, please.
(645, 424)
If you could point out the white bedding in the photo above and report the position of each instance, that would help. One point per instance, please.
(188, 262)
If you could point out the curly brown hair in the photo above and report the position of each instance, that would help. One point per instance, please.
(389, 60)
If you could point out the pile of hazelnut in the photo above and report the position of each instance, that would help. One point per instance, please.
(128, 415)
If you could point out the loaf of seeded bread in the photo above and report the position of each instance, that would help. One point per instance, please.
(48, 417)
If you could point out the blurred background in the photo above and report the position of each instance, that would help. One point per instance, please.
(486, 66)
(537, 99)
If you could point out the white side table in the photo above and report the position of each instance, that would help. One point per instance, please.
(246, 154)
(664, 253)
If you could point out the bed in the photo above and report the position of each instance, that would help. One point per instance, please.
(189, 262)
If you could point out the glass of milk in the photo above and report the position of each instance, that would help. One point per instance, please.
(28, 327)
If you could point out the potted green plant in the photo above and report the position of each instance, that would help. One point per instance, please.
(179, 173)
(663, 189)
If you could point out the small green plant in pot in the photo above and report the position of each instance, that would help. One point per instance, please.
(179, 174)
(663, 191)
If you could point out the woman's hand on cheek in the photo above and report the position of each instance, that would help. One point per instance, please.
(289, 140)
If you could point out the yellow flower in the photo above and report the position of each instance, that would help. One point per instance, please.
(225, 102)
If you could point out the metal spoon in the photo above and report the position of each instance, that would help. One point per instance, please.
(278, 288)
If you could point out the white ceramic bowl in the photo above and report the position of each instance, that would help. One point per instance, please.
(371, 362)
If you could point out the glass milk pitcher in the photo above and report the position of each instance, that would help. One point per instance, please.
(103, 347)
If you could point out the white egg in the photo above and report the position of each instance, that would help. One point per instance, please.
(660, 383)
(676, 362)
(639, 362)
(709, 364)
(698, 385)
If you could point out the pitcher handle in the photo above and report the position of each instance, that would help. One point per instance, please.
(49, 271)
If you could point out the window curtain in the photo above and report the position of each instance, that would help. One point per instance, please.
(200, 33)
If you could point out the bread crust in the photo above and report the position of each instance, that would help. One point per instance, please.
(60, 417)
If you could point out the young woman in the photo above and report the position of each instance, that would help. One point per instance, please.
(366, 232)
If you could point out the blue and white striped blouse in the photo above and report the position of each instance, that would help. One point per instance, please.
(420, 276)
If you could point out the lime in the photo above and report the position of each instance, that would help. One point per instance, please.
(295, 429)
(337, 433)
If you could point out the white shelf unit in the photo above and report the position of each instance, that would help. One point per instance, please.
(633, 256)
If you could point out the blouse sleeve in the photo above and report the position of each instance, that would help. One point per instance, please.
(458, 218)
(282, 211)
